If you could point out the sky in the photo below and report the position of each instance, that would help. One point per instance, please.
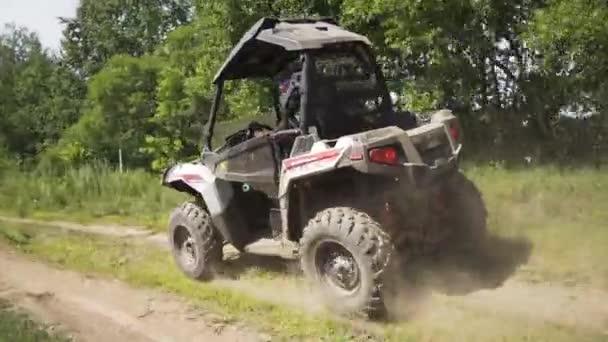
(40, 16)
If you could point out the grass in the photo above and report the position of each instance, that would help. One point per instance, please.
(564, 213)
(89, 194)
(16, 326)
(142, 266)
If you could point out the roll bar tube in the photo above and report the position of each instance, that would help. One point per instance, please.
(307, 74)
(210, 125)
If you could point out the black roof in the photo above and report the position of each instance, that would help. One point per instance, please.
(270, 42)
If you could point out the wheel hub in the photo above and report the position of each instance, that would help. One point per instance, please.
(184, 245)
(338, 267)
(188, 252)
(343, 271)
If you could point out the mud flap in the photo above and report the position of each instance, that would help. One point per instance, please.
(231, 225)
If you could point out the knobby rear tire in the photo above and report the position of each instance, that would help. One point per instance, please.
(467, 216)
(368, 244)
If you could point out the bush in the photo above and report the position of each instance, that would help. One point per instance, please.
(6, 162)
(88, 192)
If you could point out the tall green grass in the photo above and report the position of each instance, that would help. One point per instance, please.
(563, 212)
(88, 193)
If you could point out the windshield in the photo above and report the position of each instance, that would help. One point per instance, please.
(347, 96)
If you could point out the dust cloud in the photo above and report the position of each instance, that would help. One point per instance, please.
(456, 269)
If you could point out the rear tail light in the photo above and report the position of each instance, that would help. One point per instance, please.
(384, 155)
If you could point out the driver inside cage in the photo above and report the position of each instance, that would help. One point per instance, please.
(289, 95)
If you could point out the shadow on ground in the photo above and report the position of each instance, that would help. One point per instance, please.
(456, 270)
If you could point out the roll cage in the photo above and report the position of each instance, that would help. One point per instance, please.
(271, 44)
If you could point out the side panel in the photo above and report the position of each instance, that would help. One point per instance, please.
(253, 161)
(231, 223)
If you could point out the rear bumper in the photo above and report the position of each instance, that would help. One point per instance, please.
(423, 175)
(414, 175)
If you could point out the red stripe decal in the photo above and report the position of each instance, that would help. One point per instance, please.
(310, 158)
(191, 177)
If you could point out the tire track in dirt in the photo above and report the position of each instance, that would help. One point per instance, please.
(543, 302)
(100, 310)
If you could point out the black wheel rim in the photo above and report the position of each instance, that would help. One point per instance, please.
(337, 267)
(185, 247)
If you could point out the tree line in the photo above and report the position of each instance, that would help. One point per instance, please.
(136, 75)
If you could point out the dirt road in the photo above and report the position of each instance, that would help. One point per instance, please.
(582, 308)
(99, 310)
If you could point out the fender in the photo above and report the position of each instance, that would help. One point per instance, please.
(198, 180)
(218, 194)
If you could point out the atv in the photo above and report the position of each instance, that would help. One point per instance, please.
(344, 182)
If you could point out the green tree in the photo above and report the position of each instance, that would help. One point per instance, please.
(104, 28)
(570, 39)
(39, 97)
(469, 52)
(570, 44)
(193, 54)
(123, 95)
(150, 66)
(120, 103)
